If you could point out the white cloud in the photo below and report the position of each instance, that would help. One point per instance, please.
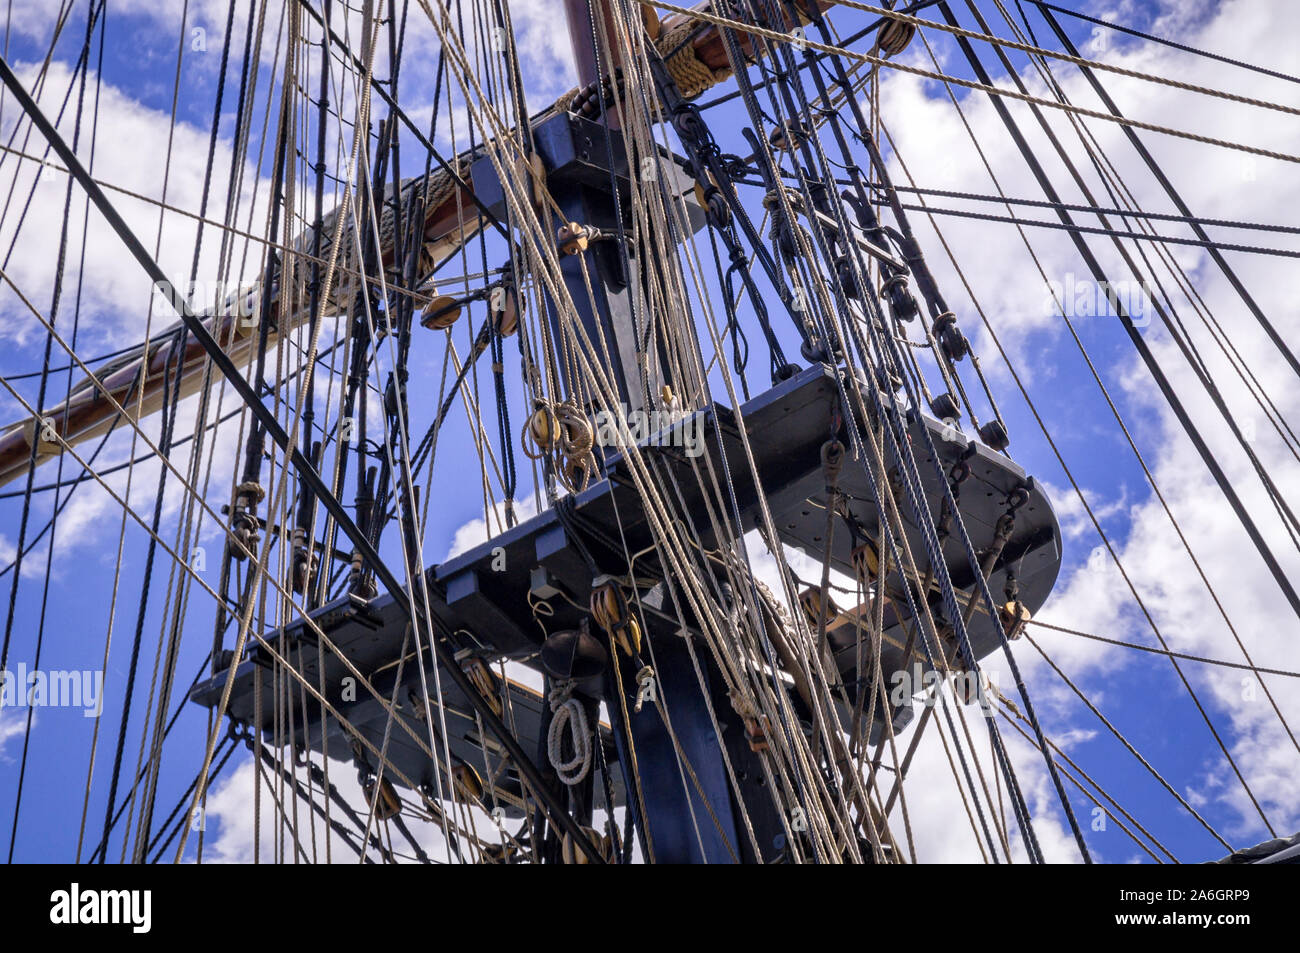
(475, 531)
(230, 822)
(1215, 183)
(132, 153)
(1092, 597)
(13, 724)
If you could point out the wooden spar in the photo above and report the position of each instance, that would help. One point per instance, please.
(709, 46)
(135, 381)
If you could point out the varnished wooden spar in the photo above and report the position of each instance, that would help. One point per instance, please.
(134, 382)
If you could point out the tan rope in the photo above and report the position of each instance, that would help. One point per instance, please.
(958, 81)
(691, 74)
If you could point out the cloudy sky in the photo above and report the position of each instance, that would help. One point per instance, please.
(137, 147)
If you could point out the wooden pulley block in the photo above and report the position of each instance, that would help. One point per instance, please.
(480, 674)
(629, 638)
(542, 427)
(505, 306)
(866, 560)
(711, 199)
(890, 382)
(944, 406)
(700, 190)
(1015, 616)
(951, 339)
(574, 431)
(650, 20)
(441, 313)
(571, 853)
(788, 136)
(756, 734)
(810, 600)
(609, 609)
(572, 238)
(954, 344)
(994, 435)
(605, 607)
(699, 195)
(894, 36)
(388, 805)
(467, 781)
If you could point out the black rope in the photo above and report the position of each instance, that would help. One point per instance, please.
(899, 443)
(1164, 41)
(183, 586)
(184, 798)
(57, 295)
(1206, 243)
(1134, 334)
(1097, 210)
(295, 457)
(103, 843)
(1177, 199)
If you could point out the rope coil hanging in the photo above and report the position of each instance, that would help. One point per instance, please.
(568, 716)
(562, 432)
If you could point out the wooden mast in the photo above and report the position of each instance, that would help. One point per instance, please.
(136, 381)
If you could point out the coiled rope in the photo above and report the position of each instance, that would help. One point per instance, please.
(567, 713)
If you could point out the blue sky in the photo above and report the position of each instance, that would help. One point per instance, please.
(1139, 693)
